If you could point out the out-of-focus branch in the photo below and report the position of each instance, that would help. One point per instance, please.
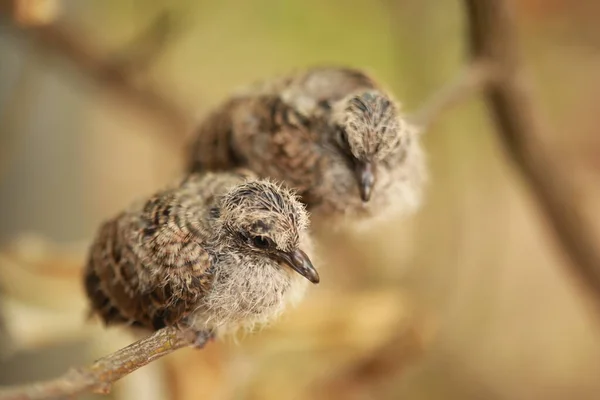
(384, 364)
(99, 376)
(495, 68)
(473, 78)
(115, 73)
(491, 32)
(143, 50)
(31, 12)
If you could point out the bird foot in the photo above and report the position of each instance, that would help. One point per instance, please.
(202, 338)
(197, 339)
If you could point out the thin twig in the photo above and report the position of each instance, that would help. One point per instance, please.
(520, 128)
(470, 80)
(99, 376)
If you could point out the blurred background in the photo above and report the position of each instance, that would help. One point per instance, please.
(468, 299)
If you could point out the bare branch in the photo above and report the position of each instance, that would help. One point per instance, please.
(520, 128)
(495, 68)
(33, 12)
(471, 79)
(99, 376)
(144, 49)
(115, 74)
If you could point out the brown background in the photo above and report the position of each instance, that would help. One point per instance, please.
(467, 300)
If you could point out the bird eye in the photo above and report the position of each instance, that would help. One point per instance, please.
(342, 136)
(360, 104)
(342, 141)
(261, 242)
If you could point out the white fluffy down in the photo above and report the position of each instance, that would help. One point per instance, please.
(248, 296)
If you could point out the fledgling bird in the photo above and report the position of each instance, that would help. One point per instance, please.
(332, 133)
(214, 253)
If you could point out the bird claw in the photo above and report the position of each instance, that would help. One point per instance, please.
(196, 338)
(202, 338)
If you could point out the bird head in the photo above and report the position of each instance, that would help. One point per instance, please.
(368, 129)
(268, 219)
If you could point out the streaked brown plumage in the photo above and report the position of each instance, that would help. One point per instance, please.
(332, 133)
(212, 252)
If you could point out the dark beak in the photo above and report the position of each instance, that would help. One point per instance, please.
(299, 261)
(366, 179)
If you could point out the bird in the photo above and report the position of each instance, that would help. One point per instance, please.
(332, 133)
(211, 254)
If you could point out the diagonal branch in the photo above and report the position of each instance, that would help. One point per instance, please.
(492, 39)
(116, 74)
(471, 79)
(138, 55)
(99, 376)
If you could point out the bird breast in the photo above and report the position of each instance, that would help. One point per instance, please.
(247, 291)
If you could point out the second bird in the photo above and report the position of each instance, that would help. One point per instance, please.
(332, 133)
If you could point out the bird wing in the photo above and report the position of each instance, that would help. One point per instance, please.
(213, 147)
(281, 115)
(145, 270)
(264, 134)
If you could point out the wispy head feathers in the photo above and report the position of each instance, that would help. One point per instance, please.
(372, 123)
(264, 205)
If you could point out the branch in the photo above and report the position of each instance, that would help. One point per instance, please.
(495, 68)
(115, 74)
(509, 99)
(99, 376)
(470, 80)
(32, 12)
(142, 51)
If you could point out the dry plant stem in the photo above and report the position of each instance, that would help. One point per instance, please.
(99, 376)
(509, 100)
(471, 79)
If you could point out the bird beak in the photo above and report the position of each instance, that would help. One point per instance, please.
(366, 179)
(299, 262)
